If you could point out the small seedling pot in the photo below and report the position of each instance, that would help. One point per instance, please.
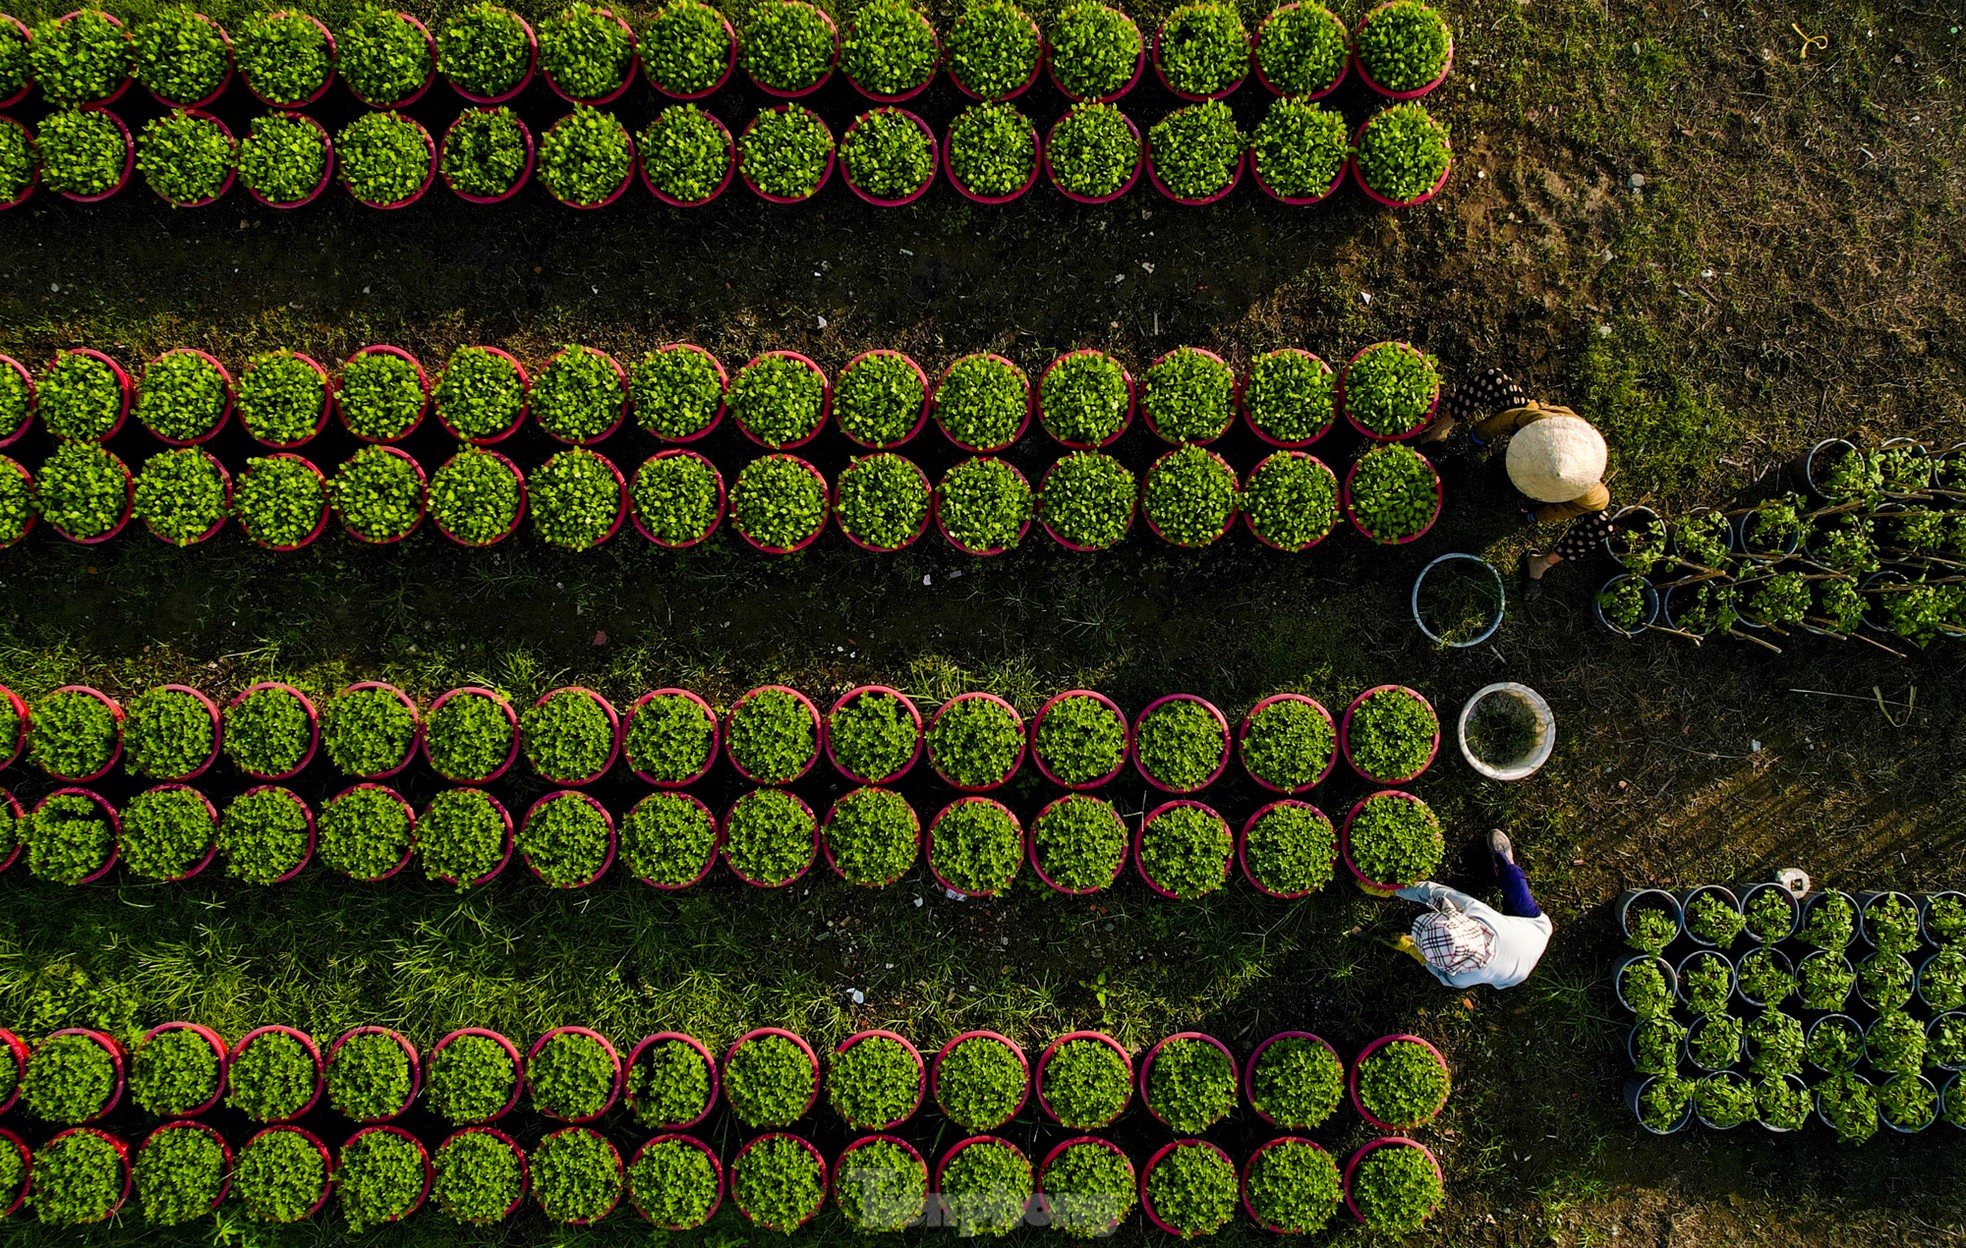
(690, 1141)
(1146, 1069)
(1366, 78)
(1031, 853)
(1147, 1172)
(614, 839)
(224, 1149)
(921, 1075)
(518, 1071)
(1098, 1037)
(812, 1059)
(709, 1061)
(313, 1051)
(614, 1093)
(935, 1066)
(512, 92)
(122, 1153)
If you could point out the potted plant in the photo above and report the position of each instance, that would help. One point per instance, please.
(770, 1078)
(789, 47)
(1089, 1187)
(472, 1075)
(464, 837)
(994, 50)
(382, 394)
(975, 847)
(383, 1175)
(75, 733)
(880, 399)
(1894, 1044)
(576, 1177)
(177, 1070)
(84, 492)
(1183, 850)
(888, 155)
(779, 504)
(770, 838)
(1288, 743)
(671, 738)
(772, 735)
(876, 1080)
(1189, 497)
(1884, 981)
(1723, 1100)
(981, 1080)
(80, 1177)
(567, 839)
(379, 495)
(1890, 922)
(84, 396)
(371, 730)
(1291, 1186)
(81, 57)
(182, 57)
(1907, 1103)
(1095, 52)
(1628, 604)
(880, 1183)
(1769, 913)
(1195, 154)
(1775, 1045)
(985, 1185)
(678, 390)
(386, 57)
(285, 160)
(586, 160)
(20, 171)
(687, 159)
(687, 49)
(675, 1182)
(171, 733)
(1085, 399)
(1404, 49)
(983, 402)
(270, 731)
(476, 497)
(1764, 977)
(274, 1075)
(487, 52)
(1942, 980)
(373, 1075)
(76, 1076)
(976, 742)
(570, 735)
(1829, 921)
(1078, 844)
(266, 835)
(780, 399)
(1288, 849)
(1401, 156)
(481, 396)
(1302, 49)
(1201, 51)
(287, 59)
(1389, 734)
(1188, 1082)
(1390, 391)
(470, 735)
(785, 154)
(883, 502)
(168, 833)
(669, 840)
(587, 54)
(1401, 1082)
(578, 499)
(1834, 1043)
(283, 398)
(17, 514)
(573, 1074)
(1188, 395)
(1706, 981)
(1093, 154)
(1942, 917)
(1181, 743)
(183, 1171)
(1393, 1184)
(1847, 1104)
(1294, 1080)
(1392, 494)
(672, 1081)
(983, 506)
(184, 397)
(1291, 501)
(1086, 501)
(387, 160)
(1663, 1104)
(778, 1182)
(188, 158)
(1079, 739)
(16, 61)
(890, 51)
(873, 734)
(367, 832)
(1824, 980)
(991, 153)
(1390, 840)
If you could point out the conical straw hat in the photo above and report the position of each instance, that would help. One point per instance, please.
(1556, 459)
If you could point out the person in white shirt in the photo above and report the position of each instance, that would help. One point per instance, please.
(1464, 942)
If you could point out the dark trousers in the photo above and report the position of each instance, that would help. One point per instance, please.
(1516, 901)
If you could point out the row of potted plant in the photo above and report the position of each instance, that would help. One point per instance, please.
(976, 742)
(1712, 916)
(679, 393)
(890, 52)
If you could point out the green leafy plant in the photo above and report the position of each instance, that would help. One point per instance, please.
(1288, 744)
(1763, 979)
(975, 846)
(585, 51)
(1404, 1084)
(769, 1081)
(282, 398)
(1725, 1100)
(584, 158)
(1397, 1187)
(873, 735)
(1895, 1043)
(1403, 153)
(1095, 50)
(280, 1176)
(481, 393)
(1197, 152)
(384, 58)
(674, 1183)
(368, 730)
(779, 502)
(980, 1082)
(182, 395)
(1191, 1188)
(993, 49)
(1089, 1188)
(181, 57)
(78, 1179)
(1080, 740)
(83, 153)
(1185, 850)
(887, 154)
(1181, 744)
(1086, 1083)
(1714, 1040)
(1907, 1102)
(1191, 496)
(986, 1187)
(669, 1085)
(483, 49)
(71, 1079)
(1299, 151)
(1079, 842)
(1706, 981)
(1849, 1104)
(461, 836)
(83, 490)
(1824, 980)
(1189, 395)
(1390, 388)
(1083, 398)
(80, 397)
(1830, 922)
(567, 840)
(576, 1176)
(1404, 45)
(679, 390)
(1945, 1042)
(1293, 1186)
(984, 505)
(1885, 981)
(668, 840)
(1301, 49)
(267, 731)
(773, 735)
(167, 733)
(687, 155)
(1191, 1084)
(285, 57)
(385, 158)
(1664, 1102)
(1891, 922)
(1638, 544)
(1203, 48)
(670, 737)
(889, 48)
(882, 501)
(20, 168)
(1291, 395)
(173, 1072)
(1625, 604)
(975, 742)
(1712, 918)
(1656, 1044)
(475, 496)
(469, 735)
(768, 837)
(572, 1076)
(576, 500)
(186, 159)
(74, 734)
(378, 492)
(1769, 915)
(1298, 1082)
(685, 47)
(16, 60)
(880, 1186)
(166, 832)
(874, 1082)
(779, 1182)
(568, 736)
(79, 58)
(878, 398)
(284, 158)
(1292, 500)
(180, 1173)
(365, 832)
(272, 1076)
(993, 150)
(1292, 850)
(1775, 1044)
(779, 399)
(1093, 151)
(1394, 840)
(1942, 979)
(1779, 599)
(788, 45)
(470, 1078)
(1945, 917)
(1834, 1044)
(380, 394)
(378, 1178)
(263, 835)
(1394, 493)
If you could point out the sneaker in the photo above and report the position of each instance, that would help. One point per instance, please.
(1498, 845)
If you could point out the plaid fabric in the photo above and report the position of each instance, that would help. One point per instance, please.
(1453, 941)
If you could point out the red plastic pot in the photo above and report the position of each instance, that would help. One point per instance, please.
(1030, 405)
(421, 1154)
(218, 726)
(327, 1162)
(118, 1059)
(518, 184)
(1126, 422)
(1242, 847)
(627, 77)
(1256, 1056)
(831, 65)
(826, 845)
(231, 174)
(525, 1171)
(224, 415)
(1440, 500)
(115, 751)
(122, 1153)
(716, 736)
(1235, 179)
(709, 1061)
(920, 528)
(211, 97)
(1192, 98)
(511, 717)
(124, 85)
(1295, 201)
(620, 1175)
(1037, 161)
(825, 176)
(723, 184)
(422, 381)
(1140, 836)
(1345, 730)
(1133, 508)
(812, 713)
(1383, 1141)
(1249, 1167)
(1126, 733)
(307, 812)
(512, 92)
(1147, 1064)
(313, 1051)
(1358, 174)
(1148, 415)
(723, 849)
(505, 817)
(716, 843)
(1248, 720)
(518, 1078)
(920, 420)
(525, 387)
(935, 510)
(225, 1151)
(1366, 883)
(1432, 408)
(1036, 69)
(320, 423)
(1242, 389)
(1022, 747)
(124, 386)
(825, 401)
(1044, 1166)
(933, 159)
(129, 501)
(320, 523)
(825, 489)
(1146, 1173)
(709, 1154)
(108, 812)
(730, 64)
(825, 1175)
(921, 1075)
(211, 851)
(1031, 852)
(429, 174)
(1139, 68)
(840, 1165)
(614, 720)
(430, 47)
(812, 1059)
(409, 812)
(20, 370)
(1256, 63)
(422, 508)
(313, 724)
(1133, 740)
(621, 413)
(1147, 515)
(409, 1051)
(613, 1095)
(1351, 1076)
(935, 1065)
(327, 169)
(613, 196)
(614, 839)
(1100, 1037)
(416, 717)
(907, 704)
(27, 41)
(326, 82)
(903, 97)
(942, 1166)
(518, 513)
(723, 388)
(1366, 78)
